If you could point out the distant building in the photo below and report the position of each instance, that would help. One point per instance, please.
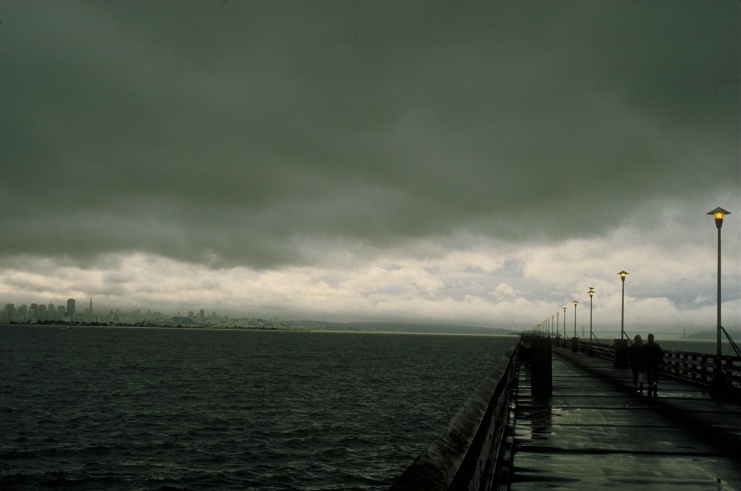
(22, 313)
(70, 308)
(9, 312)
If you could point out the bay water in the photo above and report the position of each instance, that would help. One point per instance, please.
(166, 409)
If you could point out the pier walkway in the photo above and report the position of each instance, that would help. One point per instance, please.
(594, 432)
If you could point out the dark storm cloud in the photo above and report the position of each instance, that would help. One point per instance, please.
(238, 132)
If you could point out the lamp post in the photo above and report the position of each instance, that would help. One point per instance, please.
(558, 327)
(553, 317)
(575, 303)
(622, 274)
(621, 345)
(718, 214)
(591, 294)
(564, 322)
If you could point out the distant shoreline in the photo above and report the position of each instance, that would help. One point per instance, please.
(304, 326)
(347, 327)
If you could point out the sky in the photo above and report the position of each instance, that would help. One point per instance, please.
(471, 163)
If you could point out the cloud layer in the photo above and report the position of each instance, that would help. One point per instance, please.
(451, 157)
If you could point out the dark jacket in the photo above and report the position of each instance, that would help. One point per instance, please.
(635, 354)
(652, 355)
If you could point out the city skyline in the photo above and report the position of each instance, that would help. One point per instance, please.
(22, 314)
(40, 313)
(478, 163)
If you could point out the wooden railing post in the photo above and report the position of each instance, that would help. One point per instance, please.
(621, 353)
(541, 368)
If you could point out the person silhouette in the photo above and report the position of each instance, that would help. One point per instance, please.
(652, 357)
(635, 354)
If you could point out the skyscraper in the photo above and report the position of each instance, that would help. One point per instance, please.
(8, 312)
(70, 308)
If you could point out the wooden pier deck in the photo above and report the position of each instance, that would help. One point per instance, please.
(594, 432)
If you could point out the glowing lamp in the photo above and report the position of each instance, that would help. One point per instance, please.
(718, 214)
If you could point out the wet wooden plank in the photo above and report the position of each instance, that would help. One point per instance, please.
(594, 432)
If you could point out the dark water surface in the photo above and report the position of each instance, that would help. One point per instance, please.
(118, 408)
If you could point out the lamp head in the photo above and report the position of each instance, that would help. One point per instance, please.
(575, 302)
(623, 274)
(591, 292)
(564, 310)
(718, 214)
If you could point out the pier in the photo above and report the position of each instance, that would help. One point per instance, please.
(595, 432)
(563, 419)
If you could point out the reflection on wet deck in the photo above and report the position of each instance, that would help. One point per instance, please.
(594, 432)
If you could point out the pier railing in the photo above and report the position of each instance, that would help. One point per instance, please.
(474, 451)
(698, 368)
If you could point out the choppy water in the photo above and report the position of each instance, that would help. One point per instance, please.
(115, 408)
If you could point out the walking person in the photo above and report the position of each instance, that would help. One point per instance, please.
(652, 356)
(635, 355)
